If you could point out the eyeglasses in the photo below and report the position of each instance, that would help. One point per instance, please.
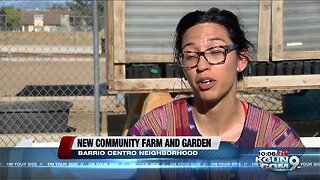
(214, 56)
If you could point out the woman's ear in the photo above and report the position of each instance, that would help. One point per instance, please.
(244, 58)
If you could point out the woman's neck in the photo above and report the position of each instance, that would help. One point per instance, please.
(224, 118)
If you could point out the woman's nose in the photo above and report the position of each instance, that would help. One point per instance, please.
(203, 64)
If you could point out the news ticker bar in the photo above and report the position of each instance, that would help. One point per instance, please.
(161, 163)
(45, 167)
(288, 159)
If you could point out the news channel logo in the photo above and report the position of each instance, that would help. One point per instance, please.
(277, 160)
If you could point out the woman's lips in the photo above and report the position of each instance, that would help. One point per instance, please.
(206, 84)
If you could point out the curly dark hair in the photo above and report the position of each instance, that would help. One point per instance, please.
(223, 17)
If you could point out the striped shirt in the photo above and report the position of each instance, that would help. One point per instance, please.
(261, 128)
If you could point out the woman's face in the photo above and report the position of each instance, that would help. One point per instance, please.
(211, 82)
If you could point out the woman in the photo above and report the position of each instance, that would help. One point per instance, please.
(213, 51)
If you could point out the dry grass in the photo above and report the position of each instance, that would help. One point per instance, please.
(47, 38)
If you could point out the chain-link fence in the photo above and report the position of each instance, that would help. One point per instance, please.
(46, 69)
(46, 85)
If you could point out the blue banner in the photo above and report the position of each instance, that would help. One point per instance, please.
(43, 163)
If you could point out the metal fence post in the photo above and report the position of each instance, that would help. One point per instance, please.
(96, 70)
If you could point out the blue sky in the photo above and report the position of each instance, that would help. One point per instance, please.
(29, 4)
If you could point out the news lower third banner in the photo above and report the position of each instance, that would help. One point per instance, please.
(72, 147)
(125, 157)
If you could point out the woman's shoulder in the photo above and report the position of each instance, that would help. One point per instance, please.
(270, 127)
(174, 104)
(158, 120)
(264, 117)
(165, 111)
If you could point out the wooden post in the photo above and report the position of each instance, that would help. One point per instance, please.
(264, 31)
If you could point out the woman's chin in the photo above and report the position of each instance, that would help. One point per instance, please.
(207, 96)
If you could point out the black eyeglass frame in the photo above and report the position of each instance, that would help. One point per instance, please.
(227, 49)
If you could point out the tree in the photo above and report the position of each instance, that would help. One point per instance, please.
(83, 12)
(12, 19)
(57, 6)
